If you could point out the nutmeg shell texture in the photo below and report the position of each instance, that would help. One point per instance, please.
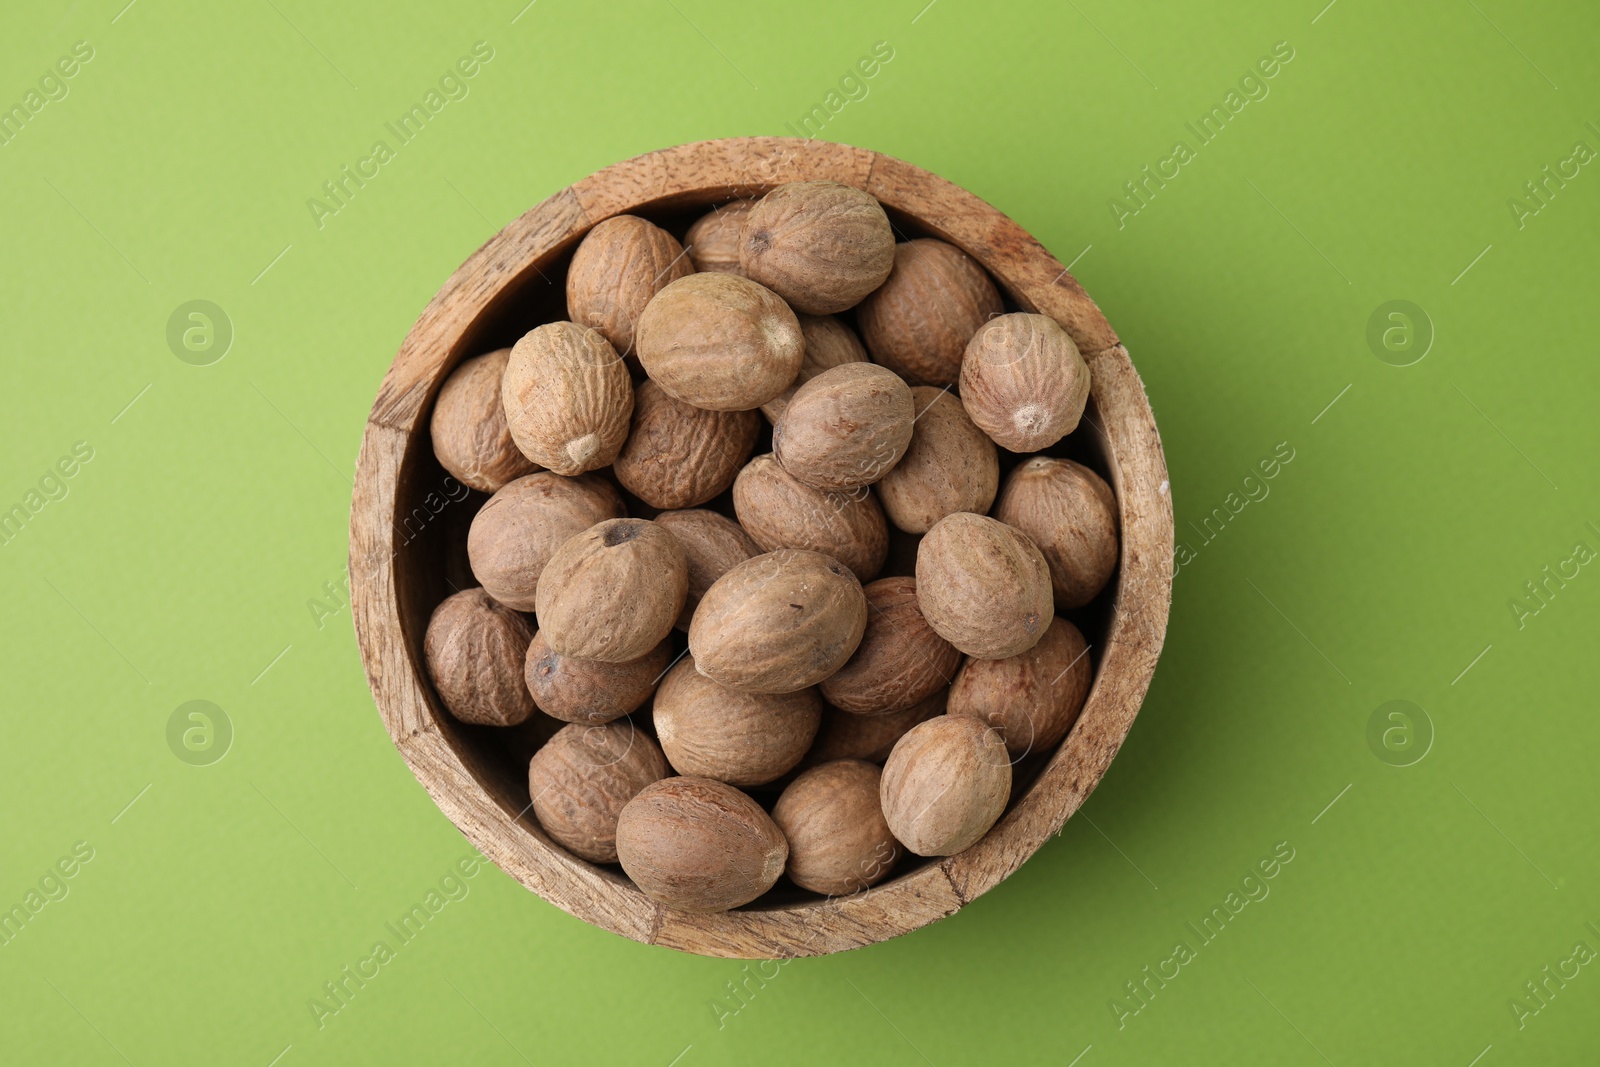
(744, 739)
(589, 691)
(712, 545)
(947, 781)
(1033, 698)
(838, 839)
(583, 777)
(829, 343)
(845, 428)
(901, 661)
(678, 455)
(518, 529)
(713, 239)
(919, 321)
(983, 586)
(1071, 514)
(949, 466)
(779, 511)
(618, 266)
(1023, 381)
(699, 845)
(468, 425)
(821, 245)
(613, 592)
(567, 398)
(474, 650)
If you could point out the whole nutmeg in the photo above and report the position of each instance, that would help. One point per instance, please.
(612, 592)
(567, 398)
(677, 455)
(900, 661)
(778, 510)
(950, 466)
(474, 650)
(947, 781)
(582, 779)
(468, 427)
(1023, 381)
(846, 735)
(712, 545)
(743, 739)
(983, 586)
(617, 268)
(918, 322)
(838, 840)
(588, 691)
(829, 343)
(779, 622)
(699, 845)
(846, 427)
(518, 529)
(713, 240)
(1071, 514)
(820, 245)
(1032, 698)
(720, 341)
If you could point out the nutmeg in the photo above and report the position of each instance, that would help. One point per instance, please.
(518, 529)
(713, 239)
(588, 691)
(947, 781)
(983, 586)
(743, 739)
(780, 511)
(901, 661)
(712, 545)
(1033, 698)
(1071, 514)
(1023, 381)
(474, 649)
(919, 321)
(779, 622)
(619, 265)
(820, 245)
(846, 735)
(720, 341)
(829, 343)
(583, 777)
(677, 455)
(612, 592)
(833, 820)
(468, 427)
(699, 845)
(567, 398)
(845, 428)
(950, 466)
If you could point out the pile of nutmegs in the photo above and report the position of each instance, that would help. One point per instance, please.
(802, 673)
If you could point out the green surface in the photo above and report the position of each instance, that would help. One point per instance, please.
(198, 555)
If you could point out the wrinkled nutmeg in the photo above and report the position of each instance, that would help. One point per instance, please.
(918, 322)
(713, 239)
(1071, 514)
(829, 343)
(833, 820)
(780, 511)
(699, 845)
(712, 545)
(821, 245)
(516, 532)
(617, 268)
(743, 739)
(947, 781)
(1033, 698)
(679, 456)
(612, 592)
(1023, 381)
(900, 661)
(474, 649)
(588, 691)
(468, 426)
(846, 735)
(983, 586)
(583, 777)
(720, 341)
(950, 466)
(779, 622)
(845, 428)
(567, 398)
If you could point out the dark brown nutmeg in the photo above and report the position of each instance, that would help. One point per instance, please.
(474, 650)
(919, 321)
(588, 691)
(620, 264)
(901, 661)
(468, 426)
(678, 455)
(950, 466)
(1032, 698)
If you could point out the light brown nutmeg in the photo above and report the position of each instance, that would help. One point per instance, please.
(518, 529)
(474, 649)
(1033, 698)
(468, 427)
(712, 544)
(778, 510)
(720, 341)
(678, 455)
(713, 239)
(619, 265)
(900, 661)
(845, 735)
(612, 592)
(1023, 381)
(918, 322)
(567, 398)
(983, 586)
(584, 776)
(833, 820)
(743, 739)
(947, 781)
(699, 845)
(845, 428)
(821, 245)
(1071, 514)
(779, 622)
(588, 691)
(950, 466)
(829, 343)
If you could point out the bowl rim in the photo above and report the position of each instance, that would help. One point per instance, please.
(702, 173)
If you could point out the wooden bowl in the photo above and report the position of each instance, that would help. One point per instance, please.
(408, 522)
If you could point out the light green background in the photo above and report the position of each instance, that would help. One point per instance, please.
(1380, 567)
